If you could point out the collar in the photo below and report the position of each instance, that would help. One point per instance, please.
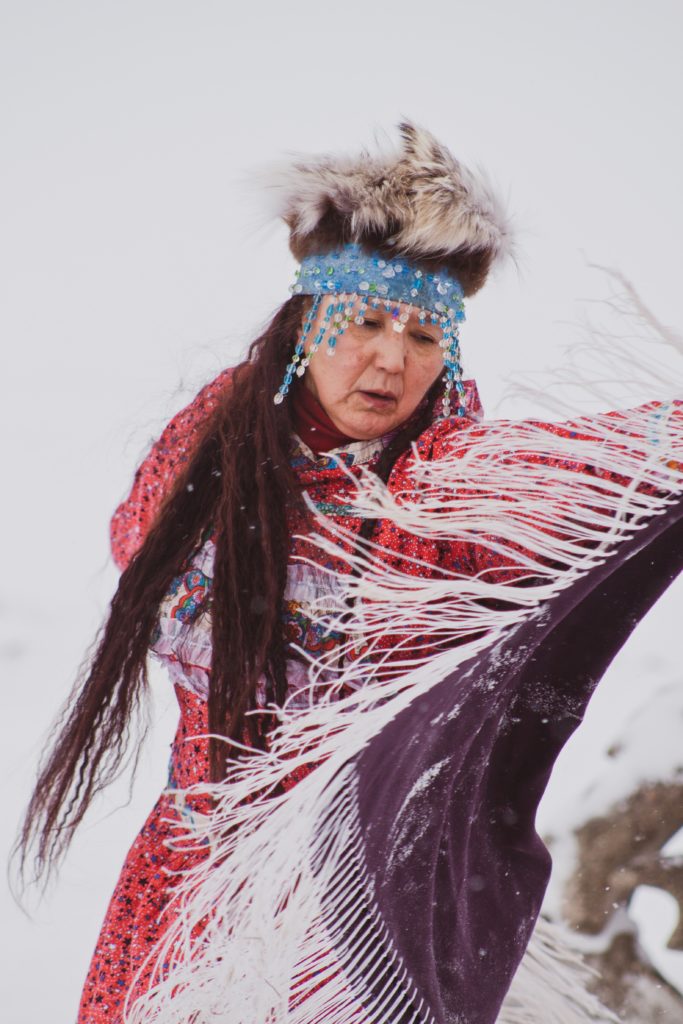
(313, 425)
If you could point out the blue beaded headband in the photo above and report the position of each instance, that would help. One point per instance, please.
(359, 279)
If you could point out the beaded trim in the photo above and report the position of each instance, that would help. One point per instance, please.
(352, 269)
(358, 280)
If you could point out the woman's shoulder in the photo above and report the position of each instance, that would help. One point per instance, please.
(159, 469)
(439, 438)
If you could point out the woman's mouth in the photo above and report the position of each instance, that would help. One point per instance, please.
(379, 399)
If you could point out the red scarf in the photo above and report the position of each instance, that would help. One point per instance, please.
(313, 425)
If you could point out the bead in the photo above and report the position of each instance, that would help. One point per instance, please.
(357, 280)
(279, 398)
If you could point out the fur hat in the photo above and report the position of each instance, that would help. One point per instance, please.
(420, 204)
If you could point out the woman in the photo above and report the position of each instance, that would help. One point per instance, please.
(301, 608)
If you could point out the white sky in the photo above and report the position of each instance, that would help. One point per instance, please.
(134, 261)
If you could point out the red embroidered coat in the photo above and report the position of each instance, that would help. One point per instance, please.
(136, 915)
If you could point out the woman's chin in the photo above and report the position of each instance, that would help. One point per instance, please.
(371, 425)
(365, 416)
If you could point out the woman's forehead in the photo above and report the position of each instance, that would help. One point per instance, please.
(402, 307)
(378, 307)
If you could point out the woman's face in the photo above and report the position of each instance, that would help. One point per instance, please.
(377, 377)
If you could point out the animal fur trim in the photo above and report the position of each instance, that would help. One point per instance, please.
(420, 203)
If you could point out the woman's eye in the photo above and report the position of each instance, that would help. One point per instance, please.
(424, 339)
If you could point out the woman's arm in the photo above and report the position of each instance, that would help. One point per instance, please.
(499, 483)
(159, 470)
(636, 429)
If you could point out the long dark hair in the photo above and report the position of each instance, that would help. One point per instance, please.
(239, 479)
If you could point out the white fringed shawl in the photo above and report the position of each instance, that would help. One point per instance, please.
(252, 923)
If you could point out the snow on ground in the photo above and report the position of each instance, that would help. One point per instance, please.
(638, 710)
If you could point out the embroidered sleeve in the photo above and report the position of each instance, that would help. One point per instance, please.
(640, 432)
(159, 470)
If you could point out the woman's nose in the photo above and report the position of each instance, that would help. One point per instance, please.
(390, 351)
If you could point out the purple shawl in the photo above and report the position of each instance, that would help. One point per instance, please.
(451, 872)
